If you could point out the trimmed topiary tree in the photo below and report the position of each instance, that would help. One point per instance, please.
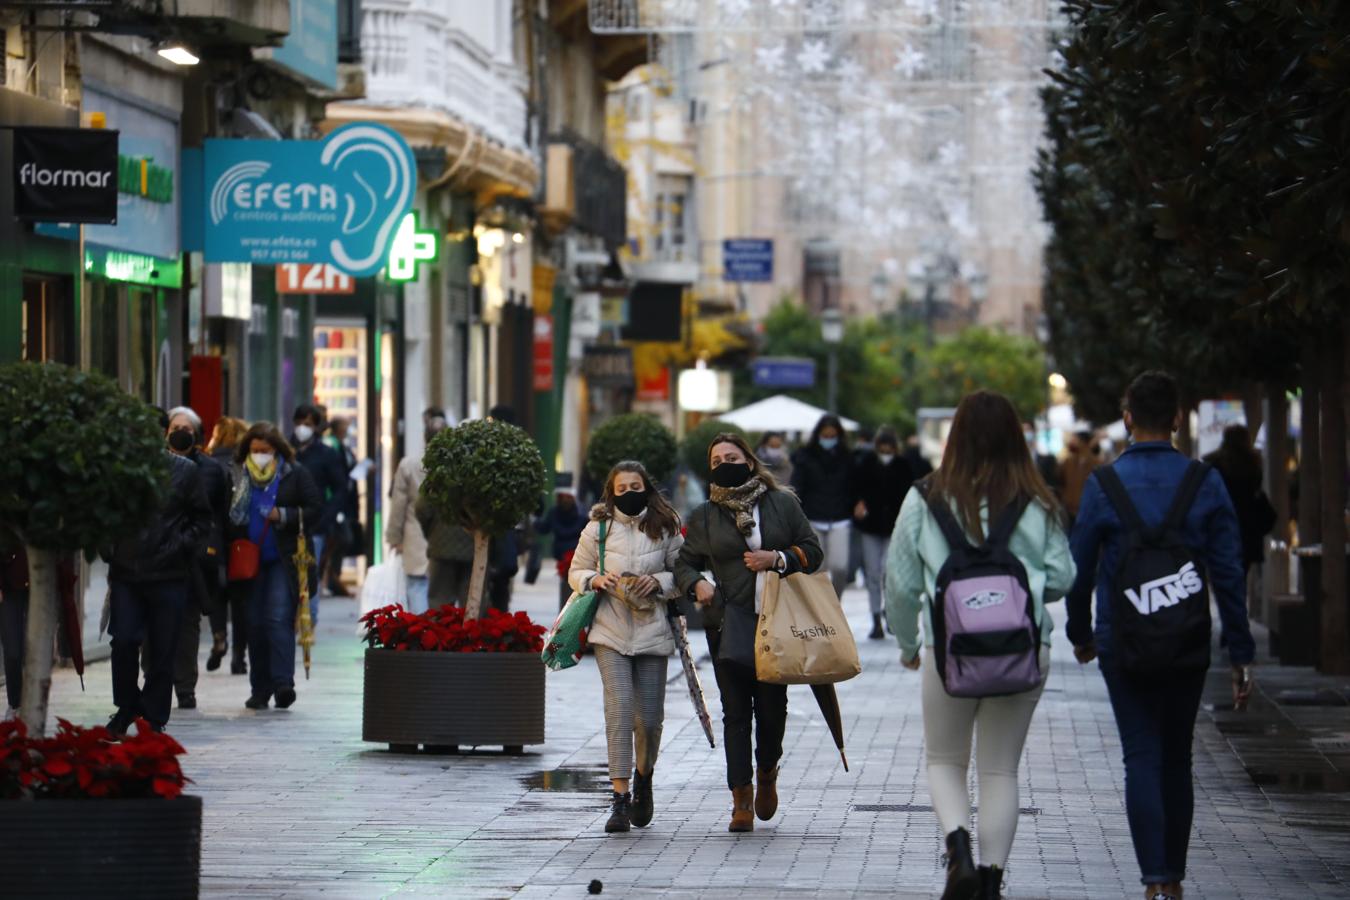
(694, 447)
(487, 476)
(632, 436)
(84, 463)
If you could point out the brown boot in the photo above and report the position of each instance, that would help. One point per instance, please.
(742, 809)
(766, 794)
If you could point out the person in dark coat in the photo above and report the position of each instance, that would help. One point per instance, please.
(565, 521)
(149, 583)
(749, 527)
(883, 479)
(822, 475)
(273, 495)
(1239, 465)
(347, 537)
(232, 610)
(326, 469)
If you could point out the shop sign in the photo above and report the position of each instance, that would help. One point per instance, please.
(543, 353)
(608, 367)
(586, 316)
(310, 50)
(785, 372)
(655, 389)
(614, 311)
(313, 278)
(340, 200)
(410, 247)
(747, 259)
(65, 175)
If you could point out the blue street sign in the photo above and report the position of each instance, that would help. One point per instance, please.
(336, 201)
(310, 50)
(783, 372)
(747, 259)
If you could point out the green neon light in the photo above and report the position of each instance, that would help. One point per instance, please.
(137, 268)
(409, 248)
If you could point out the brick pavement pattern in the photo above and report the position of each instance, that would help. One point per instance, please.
(296, 805)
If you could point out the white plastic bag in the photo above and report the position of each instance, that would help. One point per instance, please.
(385, 585)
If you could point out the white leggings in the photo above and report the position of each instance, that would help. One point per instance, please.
(999, 725)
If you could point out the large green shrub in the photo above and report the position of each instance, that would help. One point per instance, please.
(487, 476)
(694, 447)
(632, 436)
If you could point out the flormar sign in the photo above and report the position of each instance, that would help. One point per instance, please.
(65, 175)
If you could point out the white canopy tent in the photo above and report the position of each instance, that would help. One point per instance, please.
(780, 413)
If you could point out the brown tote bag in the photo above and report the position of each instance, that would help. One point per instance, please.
(803, 636)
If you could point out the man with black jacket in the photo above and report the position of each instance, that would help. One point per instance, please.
(325, 466)
(149, 584)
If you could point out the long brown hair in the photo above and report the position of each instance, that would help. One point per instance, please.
(757, 468)
(264, 431)
(987, 459)
(226, 434)
(661, 520)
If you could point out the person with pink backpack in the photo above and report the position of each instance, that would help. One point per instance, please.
(978, 551)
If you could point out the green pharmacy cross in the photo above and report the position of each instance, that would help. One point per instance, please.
(410, 247)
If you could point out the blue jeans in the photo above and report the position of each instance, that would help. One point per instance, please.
(149, 613)
(316, 543)
(1157, 725)
(271, 631)
(417, 593)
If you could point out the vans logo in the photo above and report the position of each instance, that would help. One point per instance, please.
(985, 599)
(33, 174)
(814, 631)
(1161, 593)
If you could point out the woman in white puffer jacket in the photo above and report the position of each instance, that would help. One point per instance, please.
(631, 634)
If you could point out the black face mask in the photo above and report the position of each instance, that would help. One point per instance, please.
(631, 503)
(181, 440)
(731, 475)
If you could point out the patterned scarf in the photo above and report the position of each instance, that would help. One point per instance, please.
(741, 502)
(245, 477)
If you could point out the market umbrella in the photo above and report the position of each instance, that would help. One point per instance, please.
(680, 630)
(828, 701)
(304, 619)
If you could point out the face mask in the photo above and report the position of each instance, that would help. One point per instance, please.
(770, 454)
(886, 458)
(261, 460)
(303, 433)
(731, 475)
(631, 503)
(829, 443)
(181, 440)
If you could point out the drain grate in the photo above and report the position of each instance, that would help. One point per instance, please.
(916, 807)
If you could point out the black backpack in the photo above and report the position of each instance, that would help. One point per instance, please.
(1160, 600)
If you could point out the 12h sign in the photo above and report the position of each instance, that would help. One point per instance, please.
(313, 278)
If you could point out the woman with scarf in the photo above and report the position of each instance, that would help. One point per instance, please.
(272, 499)
(749, 527)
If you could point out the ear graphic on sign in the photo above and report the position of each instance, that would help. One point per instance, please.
(378, 164)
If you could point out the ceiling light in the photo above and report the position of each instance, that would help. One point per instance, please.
(179, 55)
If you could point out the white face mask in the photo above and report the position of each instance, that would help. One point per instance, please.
(261, 460)
(303, 433)
(886, 458)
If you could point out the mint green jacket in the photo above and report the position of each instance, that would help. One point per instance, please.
(918, 551)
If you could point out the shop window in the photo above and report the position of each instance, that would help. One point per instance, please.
(48, 321)
(105, 335)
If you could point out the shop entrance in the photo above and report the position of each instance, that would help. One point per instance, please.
(47, 329)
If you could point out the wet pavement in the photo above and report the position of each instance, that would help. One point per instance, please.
(296, 805)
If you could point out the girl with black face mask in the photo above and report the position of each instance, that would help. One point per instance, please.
(640, 536)
(750, 527)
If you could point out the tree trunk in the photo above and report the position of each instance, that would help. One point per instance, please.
(39, 639)
(473, 605)
(1335, 616)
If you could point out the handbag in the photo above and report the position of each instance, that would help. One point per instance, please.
(804, 637)
(246, 557)
(566, 640)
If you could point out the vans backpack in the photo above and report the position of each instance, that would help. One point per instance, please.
(986, 642)
(1160, 599)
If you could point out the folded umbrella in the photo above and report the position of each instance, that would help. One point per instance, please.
(71, 621)
(680, 630)
(828, 701)
(304, 619)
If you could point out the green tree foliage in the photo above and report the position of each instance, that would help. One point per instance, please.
(694, 447)
(979, 358)
(632, 436)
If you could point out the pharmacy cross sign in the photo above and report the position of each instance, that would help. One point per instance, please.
(409, 248)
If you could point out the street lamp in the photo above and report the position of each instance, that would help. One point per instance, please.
(832, 333)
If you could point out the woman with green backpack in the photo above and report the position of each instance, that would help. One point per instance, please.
(625, 556)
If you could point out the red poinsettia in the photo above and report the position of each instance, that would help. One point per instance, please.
(88, 762)
(445, 629)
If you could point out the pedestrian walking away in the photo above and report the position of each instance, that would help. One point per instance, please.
(402, 531)
(272, 493)
(630, 634)
(822, 476)
(1239, 464)
(883, 479)
(348, 535)
(565, 522)
(1074, 472)
(326, 469)
(1156, 533)
(749, 527)
(985, 627)
(862, 451)
(149, 580)
(230, 613)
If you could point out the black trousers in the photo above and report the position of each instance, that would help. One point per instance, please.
(746, 701)
(231, 610)
(149, 613)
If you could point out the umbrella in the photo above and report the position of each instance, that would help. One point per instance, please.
(304, 620)
(680, 630)
(828, 701)
(70, 615)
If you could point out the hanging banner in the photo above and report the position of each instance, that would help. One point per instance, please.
(337, 201)
(65, 175)
(543, 353)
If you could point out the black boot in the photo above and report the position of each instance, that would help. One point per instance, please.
(219, 647)
(991, 883)
(620, 817)
(642, 799)
(877, 634)
(963, 879)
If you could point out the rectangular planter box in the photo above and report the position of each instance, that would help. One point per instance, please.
(142, 848)
(453, 699)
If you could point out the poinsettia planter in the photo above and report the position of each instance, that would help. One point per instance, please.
(106, 848)
(446, 700)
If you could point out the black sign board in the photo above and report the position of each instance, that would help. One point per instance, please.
(655, 312)
(65, 175)
(608, 367)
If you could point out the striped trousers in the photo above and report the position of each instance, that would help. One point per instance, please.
(635, 701)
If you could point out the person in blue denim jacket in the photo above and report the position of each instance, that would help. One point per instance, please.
(1157, 722)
